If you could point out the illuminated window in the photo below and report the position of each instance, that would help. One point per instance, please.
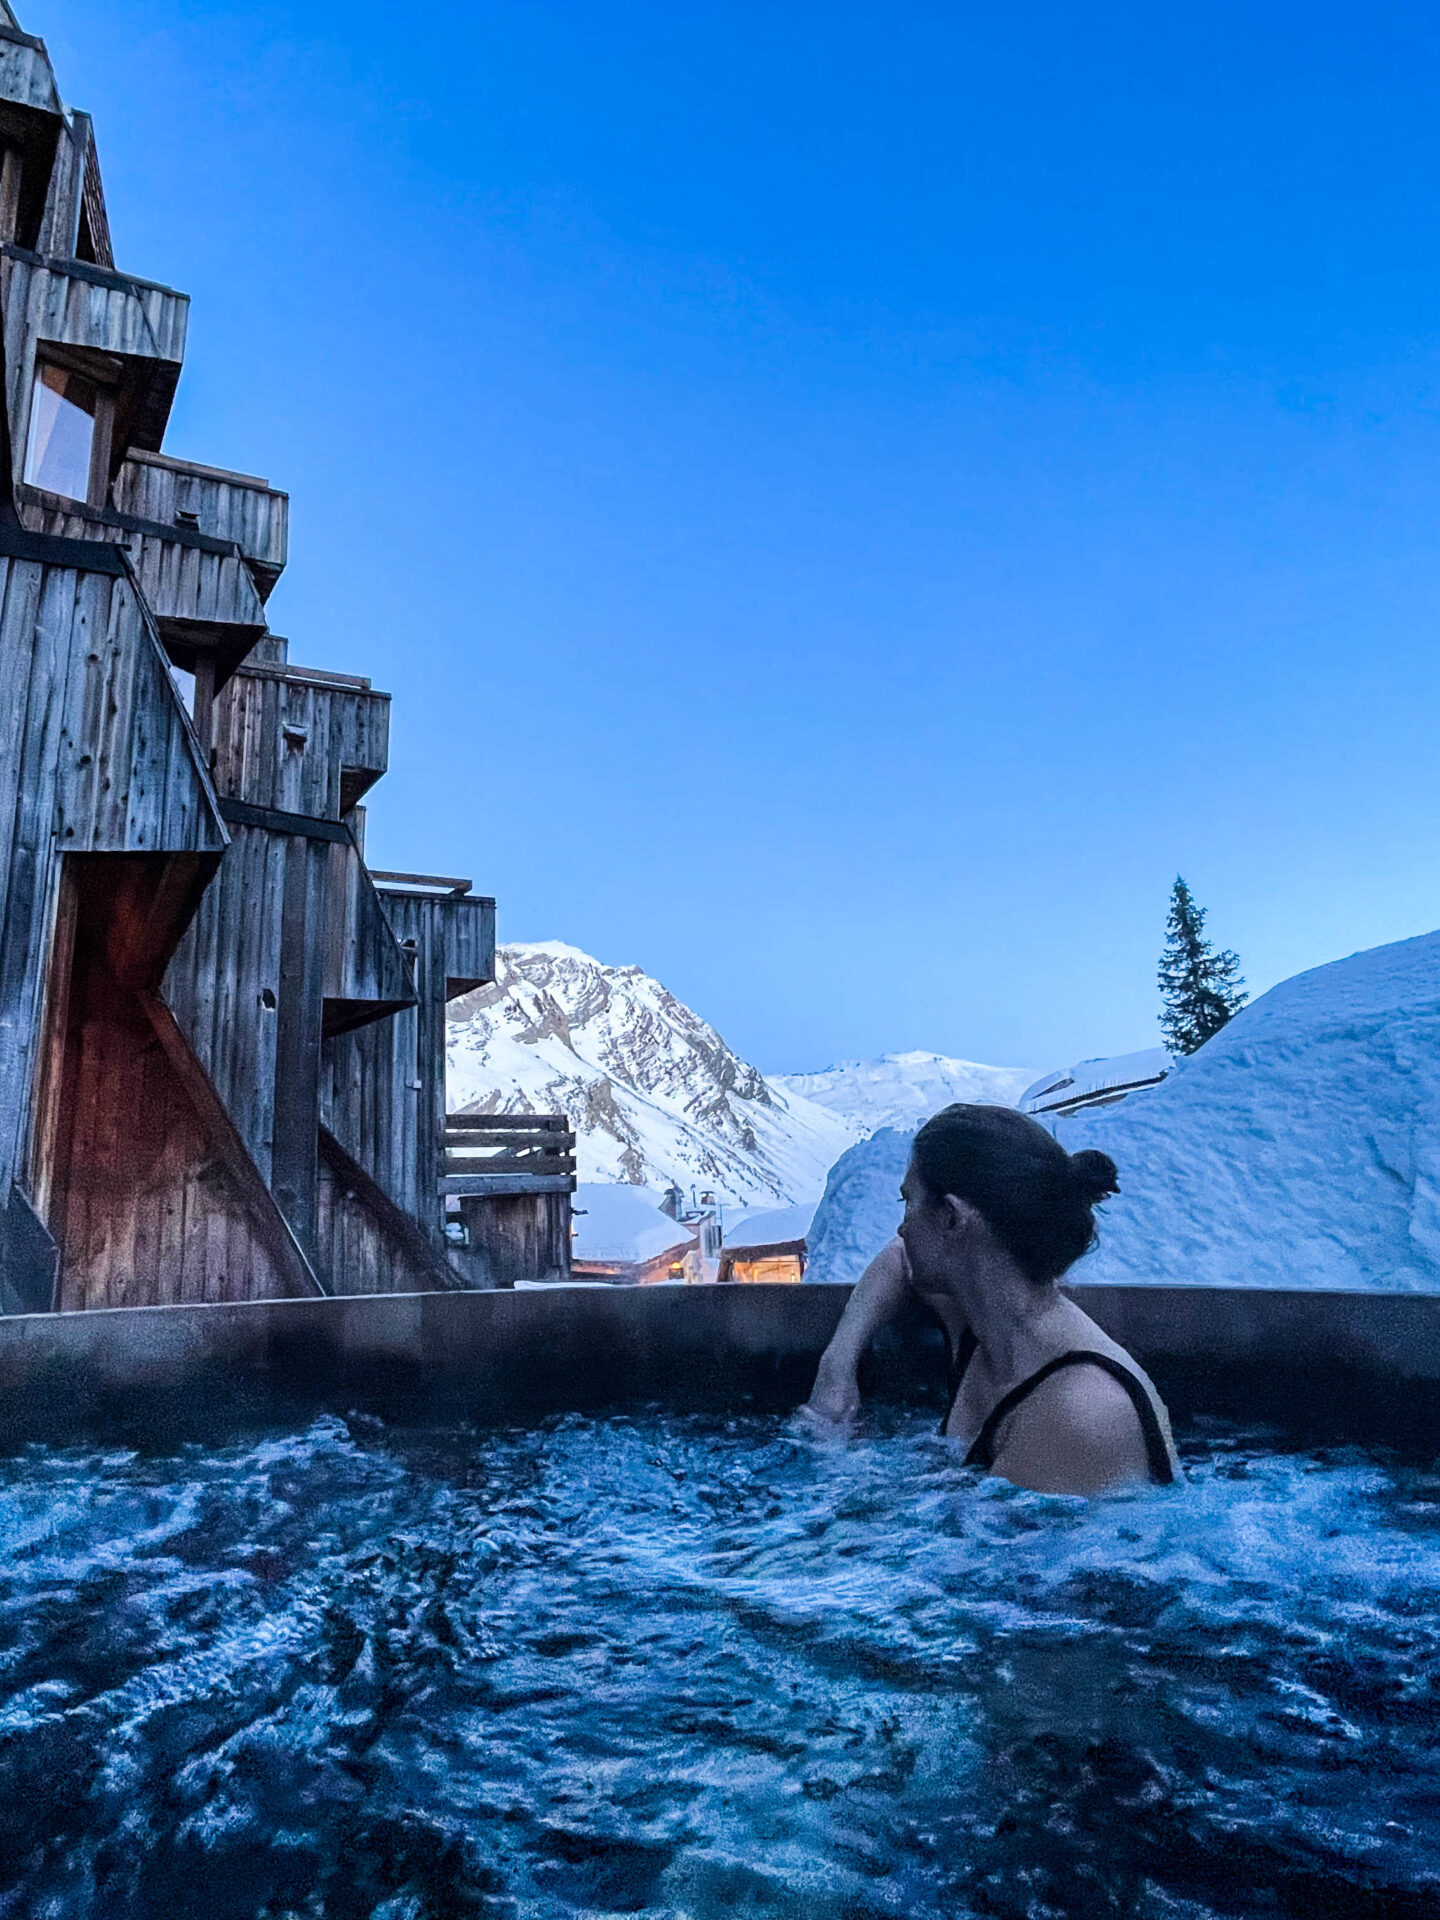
(61, 447)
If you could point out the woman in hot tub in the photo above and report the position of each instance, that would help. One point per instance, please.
(995, 1212)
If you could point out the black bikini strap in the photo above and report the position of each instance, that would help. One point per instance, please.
(982, 1454)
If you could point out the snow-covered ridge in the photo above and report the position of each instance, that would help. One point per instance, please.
(652, 1090)
(904, 1089)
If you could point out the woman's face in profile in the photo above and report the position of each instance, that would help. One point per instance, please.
(922, 1236)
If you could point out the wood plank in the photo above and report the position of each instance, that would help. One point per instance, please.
(509, 1163)
(297, 1042)
(478, 1184)
(456, 889)
(243, 813)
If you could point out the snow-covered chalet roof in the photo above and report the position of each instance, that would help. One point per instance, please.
(771, 1229)
(624, 1224)
(1090, 1079)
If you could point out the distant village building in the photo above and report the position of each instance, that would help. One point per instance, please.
(1095, 1083)
(222, 1072)
(767, 1247)
(622, 1235)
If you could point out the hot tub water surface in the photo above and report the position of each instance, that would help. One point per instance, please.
(676, 1666)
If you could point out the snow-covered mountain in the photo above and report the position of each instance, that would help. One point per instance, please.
(653, 1092)
(904, 1089)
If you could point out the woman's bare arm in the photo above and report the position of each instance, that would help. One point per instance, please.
(880, 1293)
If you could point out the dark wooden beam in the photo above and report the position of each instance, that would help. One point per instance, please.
(305, 826)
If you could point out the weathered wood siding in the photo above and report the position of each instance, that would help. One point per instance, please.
(372, 1246)
(98, 755)
(224, 981)
(133, 325)
(59, 223)
(364, 972)
(290, 943)
(516, 1237)
(384, 1087)
(92, 308)
(145, 1207)
(26, 78)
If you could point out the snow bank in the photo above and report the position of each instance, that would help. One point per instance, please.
(860, 1208)
(1299, 1148)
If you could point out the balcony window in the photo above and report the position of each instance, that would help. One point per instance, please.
(185, 686)
(60, 452)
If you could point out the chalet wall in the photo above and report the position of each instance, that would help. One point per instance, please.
(384, 1087)
(298, 740)
(25, 75)
(103, 759)
(193, 582)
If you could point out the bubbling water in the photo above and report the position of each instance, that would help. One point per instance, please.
(671, 1666)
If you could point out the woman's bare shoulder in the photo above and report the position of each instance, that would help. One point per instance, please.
(1076, 1432)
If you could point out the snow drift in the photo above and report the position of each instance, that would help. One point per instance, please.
(860, 1208)
(1299, 1148)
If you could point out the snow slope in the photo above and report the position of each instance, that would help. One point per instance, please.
(1298, 1148)
(904, 1089)
(653, 1092)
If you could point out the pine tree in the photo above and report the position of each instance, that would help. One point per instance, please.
(1201, 988)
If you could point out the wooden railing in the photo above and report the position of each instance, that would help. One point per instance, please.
(508, 1153)
(426, 883)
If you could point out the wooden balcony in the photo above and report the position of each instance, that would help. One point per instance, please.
(33, 127)
(126, 334)
(202, 593)
(94, 309)
(238, 508)
(489, 1155)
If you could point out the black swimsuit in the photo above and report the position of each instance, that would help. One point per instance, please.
(982, 1454)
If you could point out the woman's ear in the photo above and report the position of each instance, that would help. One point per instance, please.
(960, 1216)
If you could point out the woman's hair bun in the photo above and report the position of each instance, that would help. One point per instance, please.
(1094, 1174)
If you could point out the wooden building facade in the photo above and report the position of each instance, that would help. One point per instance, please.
(222, 1038)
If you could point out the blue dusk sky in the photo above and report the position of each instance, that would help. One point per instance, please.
(848, 499)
